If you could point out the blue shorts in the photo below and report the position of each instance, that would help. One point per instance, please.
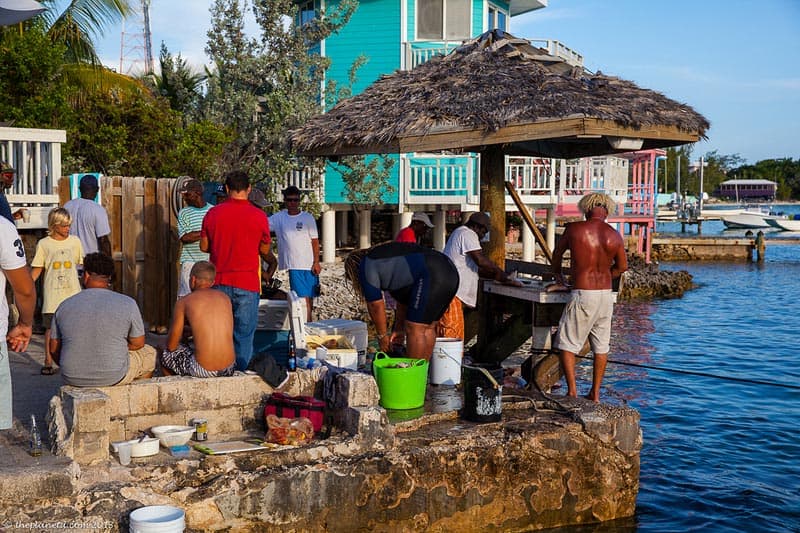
(304, 282)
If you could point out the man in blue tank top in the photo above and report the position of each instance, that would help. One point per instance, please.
(421, 280)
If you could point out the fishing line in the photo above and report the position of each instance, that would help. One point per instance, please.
(701, 374)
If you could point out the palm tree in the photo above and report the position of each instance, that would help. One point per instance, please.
(177, 82)
(80, 22)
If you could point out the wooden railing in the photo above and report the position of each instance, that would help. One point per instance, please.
(559, 49)
(310, 181)
(446, 179)
(36, 156)
(439, 179)
(416, 53)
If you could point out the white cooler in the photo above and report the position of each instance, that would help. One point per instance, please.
(273, 315)
(354, 330)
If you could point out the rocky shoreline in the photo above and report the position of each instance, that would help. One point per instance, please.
(643, 281)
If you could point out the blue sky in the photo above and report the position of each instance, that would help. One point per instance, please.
(735, 61)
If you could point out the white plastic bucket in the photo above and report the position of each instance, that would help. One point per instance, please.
(446, 361)
(157, 519)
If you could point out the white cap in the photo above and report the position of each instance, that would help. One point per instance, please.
(422, 217)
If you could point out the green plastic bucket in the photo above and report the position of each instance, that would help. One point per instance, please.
(400, 388)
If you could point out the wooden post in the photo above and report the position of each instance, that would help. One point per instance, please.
(155, 274)
(131, 230)
(761, 246)
(493, 168)
(112, 201)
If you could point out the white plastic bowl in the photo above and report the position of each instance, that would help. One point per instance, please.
(144, 448)
(172, 435)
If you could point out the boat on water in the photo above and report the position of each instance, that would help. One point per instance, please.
(786, 223)
(754, 217)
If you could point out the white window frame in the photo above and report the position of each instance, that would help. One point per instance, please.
(443, 32)
(497, 9)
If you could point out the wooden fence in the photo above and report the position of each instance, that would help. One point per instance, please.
(144, 240)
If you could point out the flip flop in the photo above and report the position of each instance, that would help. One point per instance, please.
(48, 370)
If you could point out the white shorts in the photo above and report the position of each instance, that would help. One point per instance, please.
(587, 315)
(183, 280)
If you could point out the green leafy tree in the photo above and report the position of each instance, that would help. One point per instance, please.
(717, 168)
(679, 156)
(178, 83)
(784, 171)
(34, 92)
(78, 23)
(262, 88)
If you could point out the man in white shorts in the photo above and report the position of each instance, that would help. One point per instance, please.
(597, 256)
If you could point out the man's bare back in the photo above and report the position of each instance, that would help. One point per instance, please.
(597, 253)
(209, 314)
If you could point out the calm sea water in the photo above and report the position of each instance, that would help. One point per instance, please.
(718, 455)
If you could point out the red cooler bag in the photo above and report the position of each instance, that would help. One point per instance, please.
(286, 406)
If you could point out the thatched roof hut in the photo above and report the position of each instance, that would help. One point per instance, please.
(500, 90)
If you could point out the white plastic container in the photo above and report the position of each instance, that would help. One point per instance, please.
(138, 447)
(354, 330)
(446, 361)
(297, 318)
(273, 315)
(157, 518)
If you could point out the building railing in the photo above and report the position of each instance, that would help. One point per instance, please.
(36, 156)
(441, 179)
(559, 49)
(447, 179)
(310, 181)
(418, 52)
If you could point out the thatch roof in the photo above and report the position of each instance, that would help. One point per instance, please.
(500, 90)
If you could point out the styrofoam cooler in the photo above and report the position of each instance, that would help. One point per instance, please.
(273, 315)
(354, 330)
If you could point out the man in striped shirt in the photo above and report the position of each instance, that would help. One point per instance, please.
(190, 220)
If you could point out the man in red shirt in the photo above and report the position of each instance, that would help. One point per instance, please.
(420, 224)
(235, 234)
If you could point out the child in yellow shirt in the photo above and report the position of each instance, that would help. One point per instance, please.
(58, 256)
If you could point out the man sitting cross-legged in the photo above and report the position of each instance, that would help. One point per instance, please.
(206, 316)
(97, 335)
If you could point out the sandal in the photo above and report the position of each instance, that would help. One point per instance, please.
(48, 370)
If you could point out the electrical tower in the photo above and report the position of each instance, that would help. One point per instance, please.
(136, 46)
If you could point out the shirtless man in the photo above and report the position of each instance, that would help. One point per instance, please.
(206, 315)
(597, 255)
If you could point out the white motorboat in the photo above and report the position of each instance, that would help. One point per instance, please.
(789, 224)
(750, 218)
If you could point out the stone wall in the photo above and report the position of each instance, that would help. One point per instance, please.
(83, 421)
(546, 464)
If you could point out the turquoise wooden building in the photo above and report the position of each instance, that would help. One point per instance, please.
(400, 34)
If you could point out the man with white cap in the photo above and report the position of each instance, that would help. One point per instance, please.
(464, 249)
(420, 224)
(190, 221)
(298, 247)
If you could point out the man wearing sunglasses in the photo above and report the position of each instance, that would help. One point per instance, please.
(464, 249)
(298, 247)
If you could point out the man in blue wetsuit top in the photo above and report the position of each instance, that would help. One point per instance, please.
(421, 280)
